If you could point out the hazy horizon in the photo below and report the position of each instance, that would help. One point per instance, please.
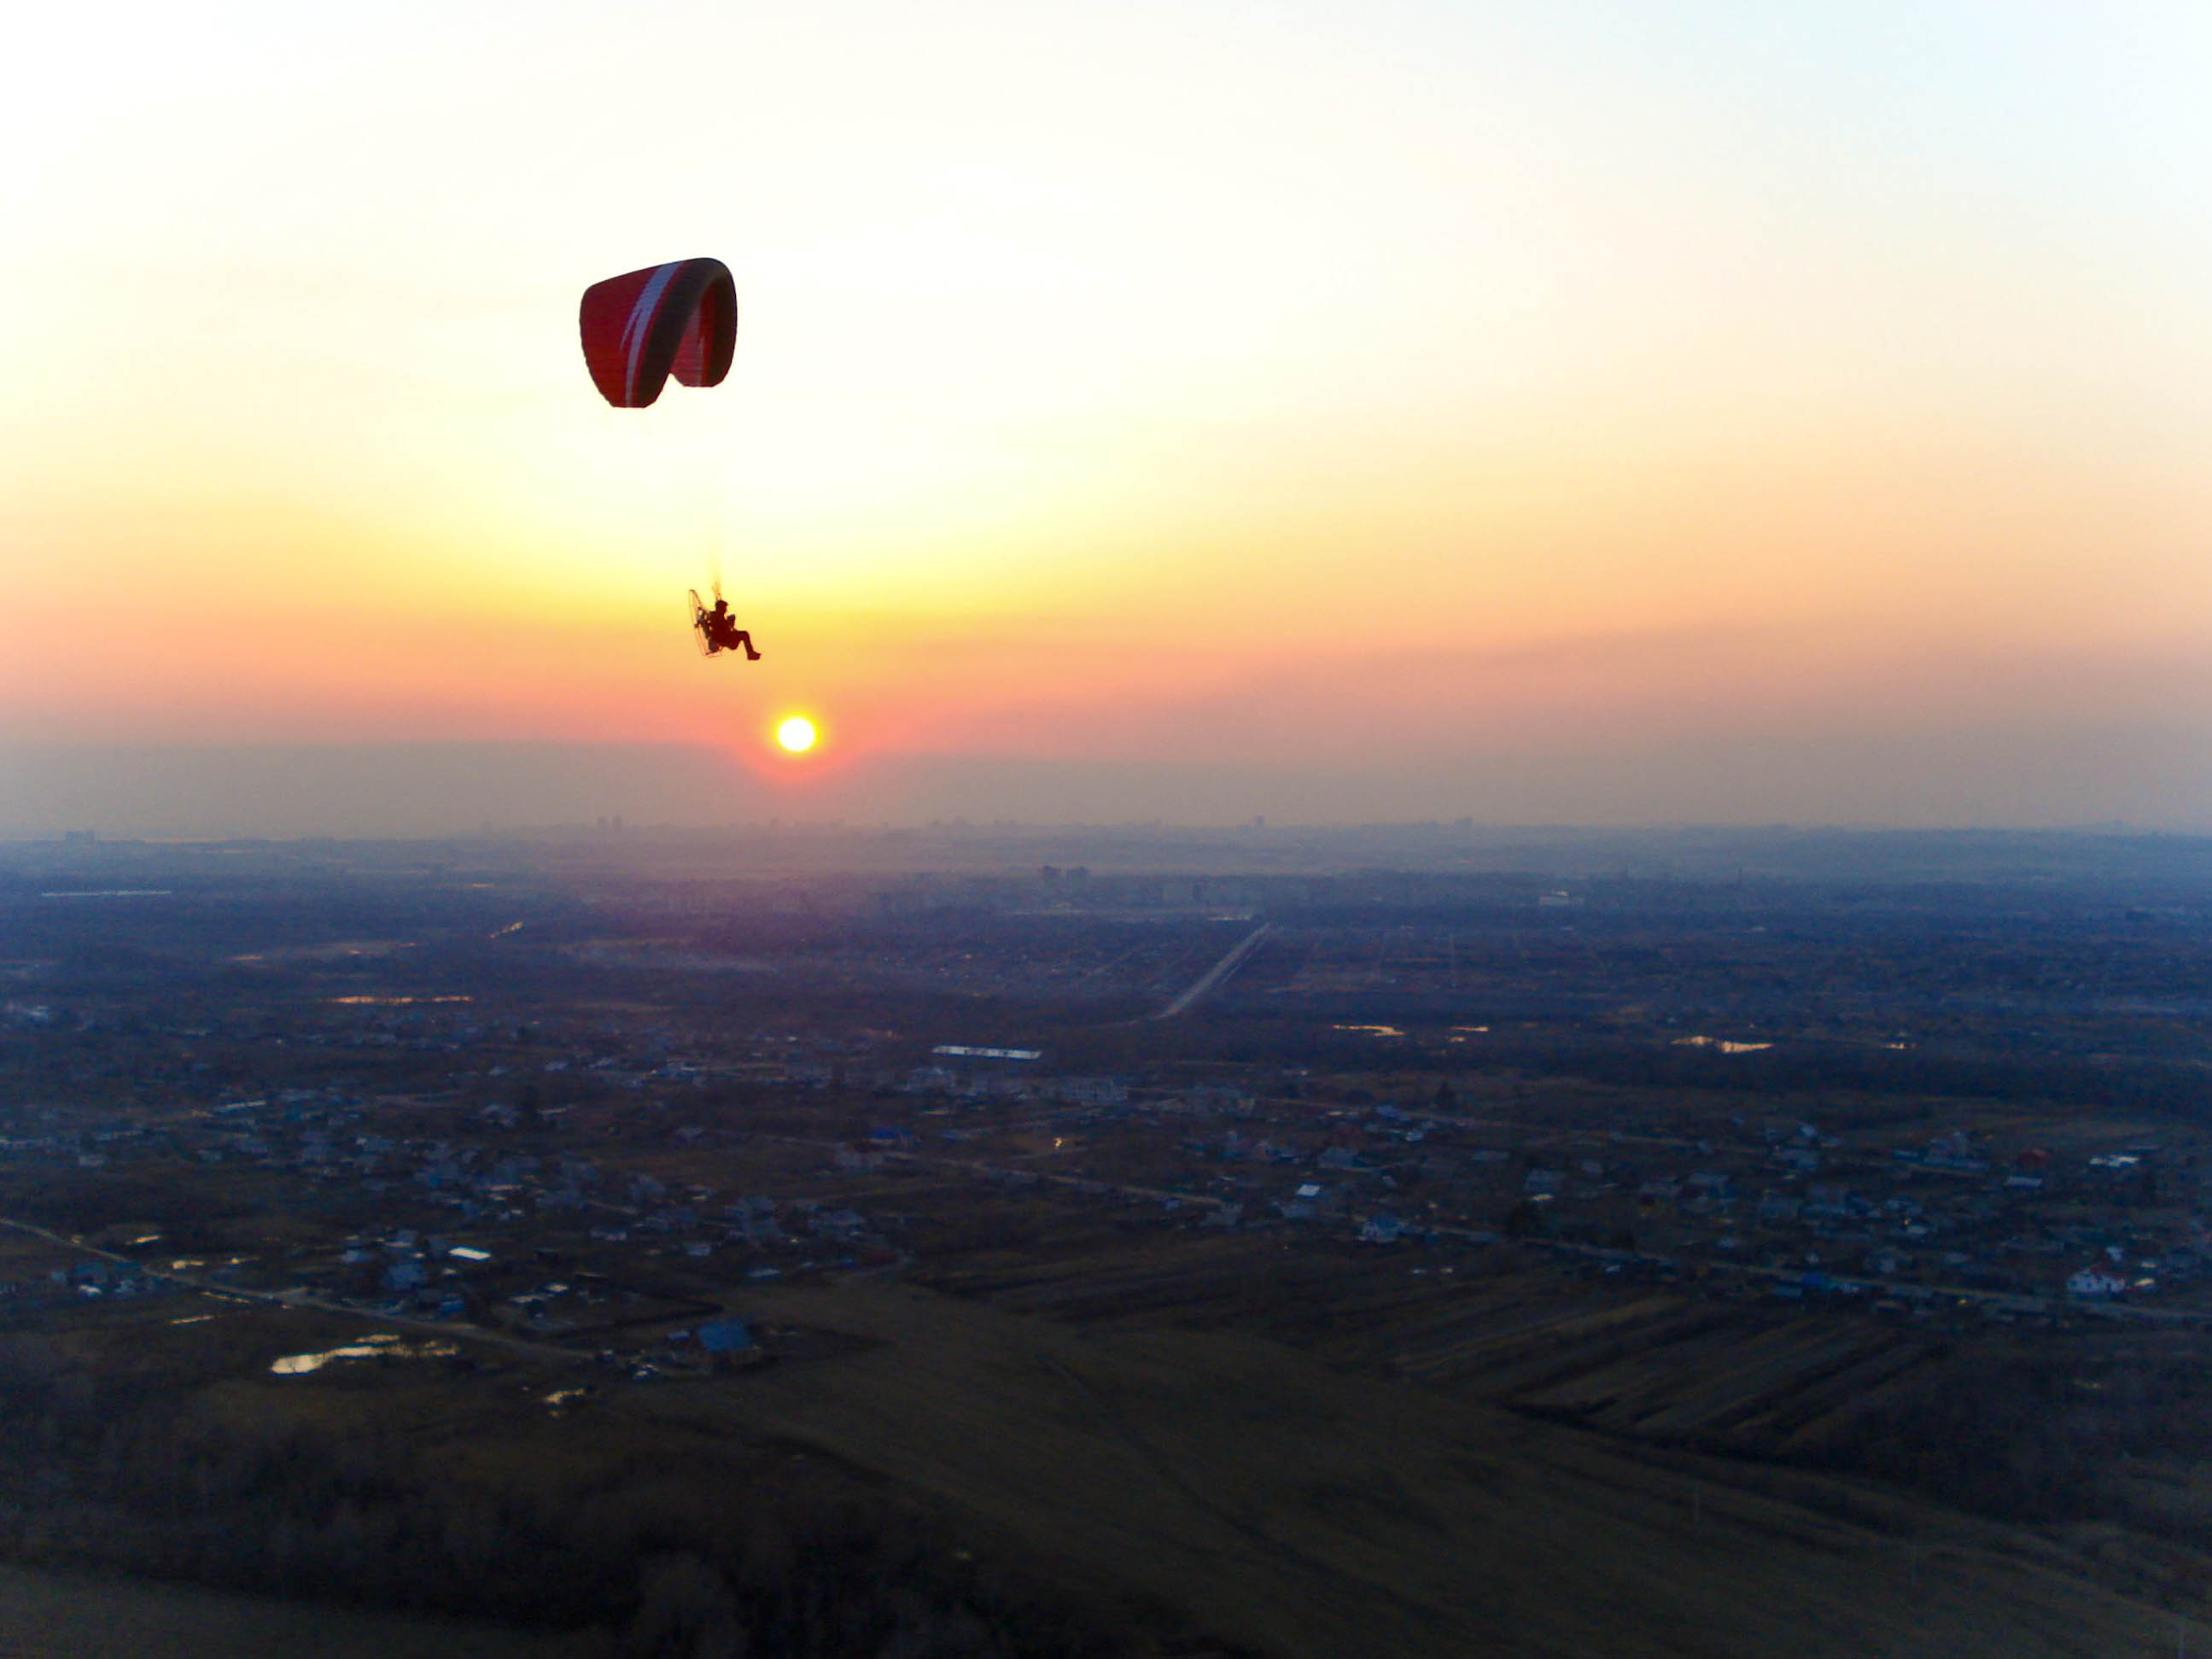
(403, 790)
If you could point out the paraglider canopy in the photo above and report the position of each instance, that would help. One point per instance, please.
(679, 319)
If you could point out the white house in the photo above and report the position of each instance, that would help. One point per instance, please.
(2095, 1281)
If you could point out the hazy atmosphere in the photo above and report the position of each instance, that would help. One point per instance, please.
(1605, 413)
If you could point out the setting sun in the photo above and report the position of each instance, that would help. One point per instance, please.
(796, 734)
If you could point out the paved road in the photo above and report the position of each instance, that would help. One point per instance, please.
(1910, 1289)
(449, 1329)
(1002, 1172)
(1213, 978)
(2018, 1301)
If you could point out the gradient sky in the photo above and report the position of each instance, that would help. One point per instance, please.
(1617, 412)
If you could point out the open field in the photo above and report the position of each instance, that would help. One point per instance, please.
(1297, 1510)
(1655, 1362)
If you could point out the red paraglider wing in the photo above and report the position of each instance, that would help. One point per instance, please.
(679, 319)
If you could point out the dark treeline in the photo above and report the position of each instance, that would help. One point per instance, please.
(2066, 1434)
(610, 1536)
(1566, 1050)
(2130, 1085)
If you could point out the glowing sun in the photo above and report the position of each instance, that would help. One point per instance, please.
(796, 734)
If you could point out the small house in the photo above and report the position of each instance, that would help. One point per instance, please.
(2094, 1282)
(721, 1336)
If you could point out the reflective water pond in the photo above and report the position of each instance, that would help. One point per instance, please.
(381, 1346)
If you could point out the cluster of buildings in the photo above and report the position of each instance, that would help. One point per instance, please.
(537, 1191)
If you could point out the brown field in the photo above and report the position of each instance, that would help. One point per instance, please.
(1294, 1510)
(51, 1615)
(1290, 1448)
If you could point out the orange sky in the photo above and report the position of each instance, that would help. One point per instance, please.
(1415, 392)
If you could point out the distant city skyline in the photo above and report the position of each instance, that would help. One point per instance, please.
(1609, 412)
(211, 792)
